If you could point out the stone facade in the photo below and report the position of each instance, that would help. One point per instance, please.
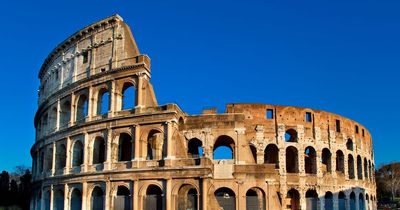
(103, 142)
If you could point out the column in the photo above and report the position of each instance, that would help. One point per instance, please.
(345, 165)
(58, 115)
(333, 163)
(318, 163)
(139, 92)
(52, 197)
(91, 102)
(168, 193)
(84, 196)
(107, 164)
(86, 153)
(72, 113)
(135, 197)
(204, 194)
(67, 168)
(335, 200)
(66, 196)
(53, 165)
(107, 193)
(321, 203)
(240, 137)
(170, 149)
(113, 98)
(137, 143)
(300, 156)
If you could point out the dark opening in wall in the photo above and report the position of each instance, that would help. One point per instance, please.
(338, 126)
(356, 128)
(270, 114)
(85, 57)
(291, 135)
(363, 132)
(308, 117)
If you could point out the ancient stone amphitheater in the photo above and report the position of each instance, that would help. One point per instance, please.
(103, 142)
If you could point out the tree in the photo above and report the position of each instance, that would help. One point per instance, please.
(388, 178)
(4, 188)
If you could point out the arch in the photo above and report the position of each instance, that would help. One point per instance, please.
(294, 197)
(367, 202)
(103, 101)
(122, 200)
(369, 169)
(77, 154)
(271, 155)
(342, 201)
(310, 160)
(155, 145)
(350, 145)
(154, 198)
(255, 199)
(65, 114)
(81, 107)
(125, 147)
(339, 161)
(328, 201)
(311, 200)
(350, 167)
(187, 198)
(61, 156)
(359, 167)
(352, 201)
(327, 160)
(53, 119)
(366, 168)
(76, 199)
(39, 200)
(224, 148)
(226, 198)
(58, 203)
(195, 149)
(47, 199)
(97, 199)
(128, 96)
(49, 159)
(99, 148)
(253, 151)
(361, 202)
(292, 163)
(291, 135)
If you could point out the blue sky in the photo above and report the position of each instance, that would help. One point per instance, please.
(341, 57)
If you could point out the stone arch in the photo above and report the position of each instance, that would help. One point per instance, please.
(352, 201)
(125, 147)
(350, 144)
(65, 112)
(328, 200)
(77, 153)
(311, 200)
(342, 201)
(271, 155)
(224, 148)
(122, 198)
(291, 135)
(366, 169)
(53, 119)
(103, 101)
(294, 198)
(310, 160)
(47, 199)
(359, 167)
(292, 162)
(81, 107)
(361, 202)
(350, 167)
(97, 198)
(253, 151)
(99, 150)
(154, 198)
(255, 199)
(155, 145)
(58, 202)
(327, 160)
(61, 156)
(195, 149)
(128, 99)
(187, 197)
(76, 199)
(339, 161)
(226, 198)
(49, 159)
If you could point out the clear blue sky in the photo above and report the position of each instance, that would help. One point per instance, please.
(337, 56)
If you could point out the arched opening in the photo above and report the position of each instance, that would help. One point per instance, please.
(58, 200)
(155, 143)
(328, 201)
(125, 147)
(367, 202)
(327, 160)
(349, 144)
(65, 114)
(99, 148)
(53, 119)
(77, 154)
(195, 149)
(366, 168)
(350, 165)
(81, 108)
(253, 151)
(122, 200)
(352, 201)
(41, 161)
(224, 148)
(128, 96)
(226, 198)
(49, 159)
(310, 160)
(47, 199)
(154, 198)
(359, 167)
(97, 199)
(294, 197)
(292, 163)
(271, 155)
(369, 170)
(311, 200)
(291, 135)
(255, 199)
(103, 102)
(187, 198)
(61, 157)
(39, 201)
(341, 201)
(76, 199)
(361, 202)
(339, 161)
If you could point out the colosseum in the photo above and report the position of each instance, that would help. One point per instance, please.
(103, 142)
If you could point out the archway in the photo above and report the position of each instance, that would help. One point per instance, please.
(226, 198)
(291, 135)
(359, 167)
(311, 200)
(128, 96)
(361, 202)
(350, 165)
(97, 199)
(328, 201)
(103, 102)
(187, 198)
(255, 199)
(349, 144)
(99, 150)
(76, 199)
(292, 163)
(326, 160)
(81, 108)
(77, 154)
(352, 201)
(58, 200)
(342, 201)
(155, 143)
(154, 198)
(125, 147)
(310, 160)
(195, 149)
(61, 156)
(122, 200)
(271, 155)
(224, 148)
(339, 162)
(47, 199)
(294, 197)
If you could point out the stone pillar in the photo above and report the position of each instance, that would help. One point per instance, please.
(321, 203)
(84, 196)
(170, 146)
(90, 106)
(136, 141)
(168, 194)
(42, 199)
(66, 196)
(72, 113)
(51, 197)
(260, 157)
(113, 99)
(346, 166)
(357, 202)
(67, 168)
(204, 194)
(335, 201)
(86, 153)
(139, 91)
(135, 198)
(303, 201)
(107, 195)
(347, 201)
(300, 156)
(58, 115)
(53, 164)
(240, 137)
(108, 162)
(333, 163)
(318, 163)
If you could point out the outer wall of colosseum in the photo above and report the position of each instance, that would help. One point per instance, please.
(103, 142)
